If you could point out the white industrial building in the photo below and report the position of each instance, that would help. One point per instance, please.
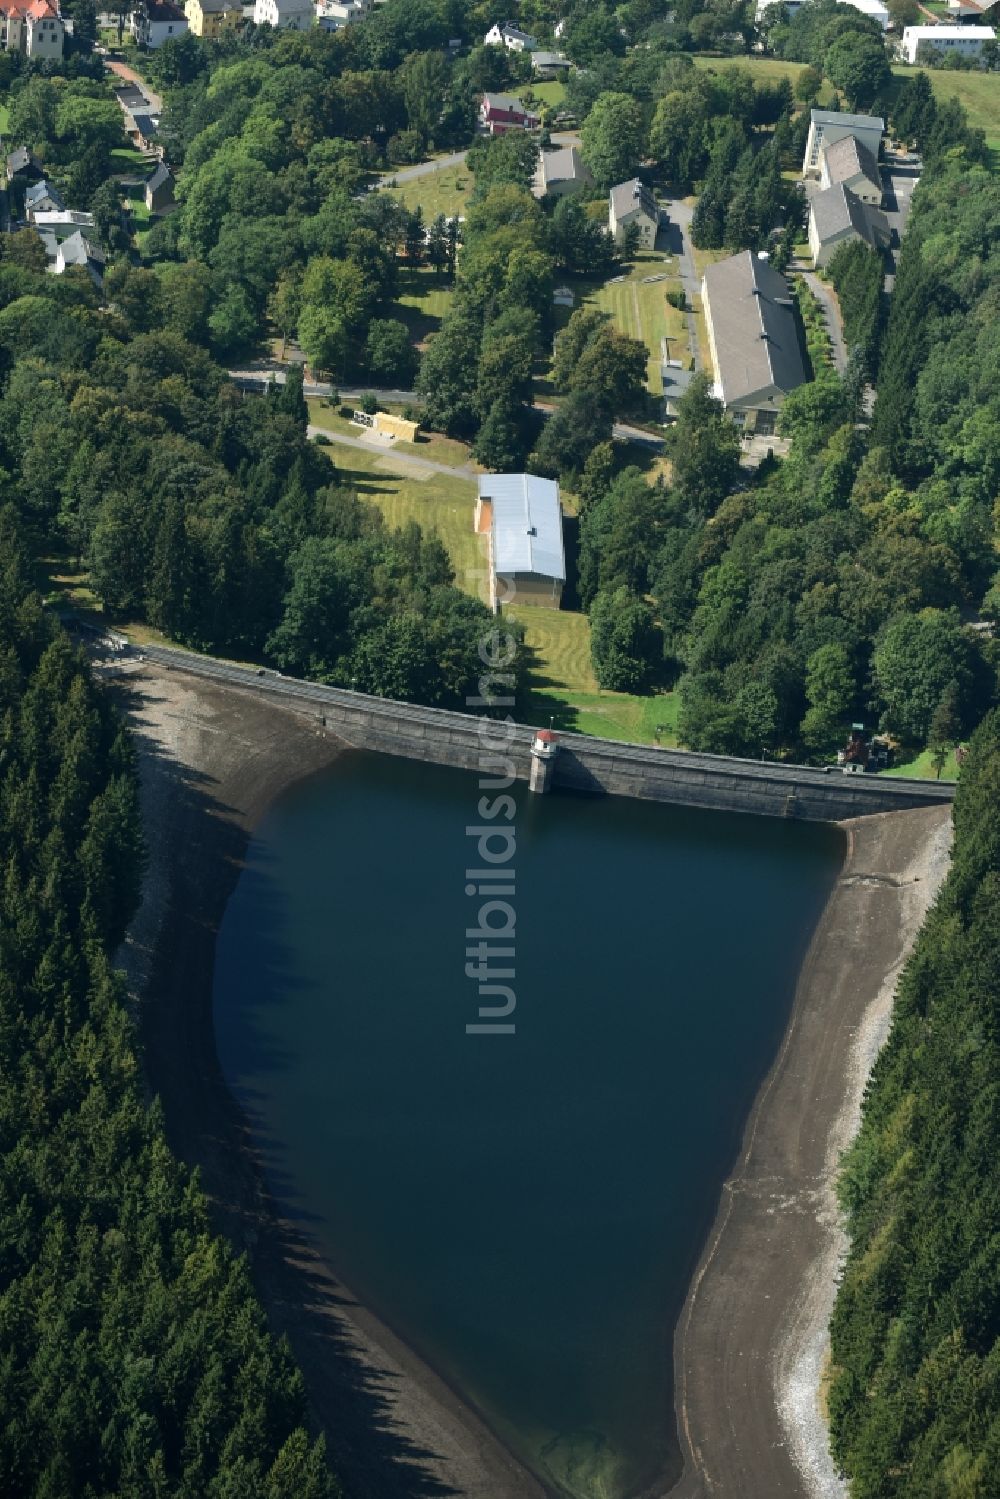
(952, 41)
(522, 517)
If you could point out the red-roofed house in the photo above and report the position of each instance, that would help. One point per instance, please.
(33, 27)
(499, 113)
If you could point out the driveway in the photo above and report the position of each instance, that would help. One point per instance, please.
(677, 237)
(389, 452)
(899, 178)
(409, 174)
(129, 75)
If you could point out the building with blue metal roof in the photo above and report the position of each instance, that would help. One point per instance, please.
(522, 518)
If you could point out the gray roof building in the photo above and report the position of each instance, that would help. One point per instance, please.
(628, 196)
(527, 525)
(23, 162)
(850, 122)
(837, 214)
(80, 251)
(848, 159)
(752, 332)
(42, 195)
(560, 172)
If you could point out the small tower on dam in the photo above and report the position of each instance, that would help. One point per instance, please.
(544, 748)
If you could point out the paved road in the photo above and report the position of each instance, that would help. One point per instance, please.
(255, 378)
(831, 309)
(409, 174)
(899, 178)
(405, 460)
(260, 375)
(678, 236)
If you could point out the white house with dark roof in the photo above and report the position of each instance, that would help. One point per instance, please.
(837, 215)
(849, 163)
(521, 516)
(284, 15)
(827, 126)
(156, 22)
(633, 203)
(41, 197)
(754, 339)
(560, 172)
(510, 36)
(78, 250)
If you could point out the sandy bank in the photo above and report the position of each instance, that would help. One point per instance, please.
(212, 759)
(752, 1336)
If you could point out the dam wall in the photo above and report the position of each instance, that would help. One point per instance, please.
(597, 766)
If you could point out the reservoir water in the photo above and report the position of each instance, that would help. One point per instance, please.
(525, 1209)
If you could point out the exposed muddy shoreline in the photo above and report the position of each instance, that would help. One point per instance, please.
(753, 1325)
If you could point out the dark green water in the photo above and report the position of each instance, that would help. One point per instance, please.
(525, 1209)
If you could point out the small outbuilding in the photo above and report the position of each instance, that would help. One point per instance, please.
(24, 165)
(522, 517)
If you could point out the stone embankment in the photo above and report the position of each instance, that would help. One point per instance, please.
(598, 766)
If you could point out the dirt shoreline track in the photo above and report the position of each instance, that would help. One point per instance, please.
(752, 1330)
(752, 1337)
(211, 760)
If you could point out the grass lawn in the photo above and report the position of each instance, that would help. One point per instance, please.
(979, 92)
(435, 501)
(129, 157)
(4, 119)
(920, 767)
(564, 690)
(640, 308)
(428, 445)
(443, 191)
(552, 93)
(424, 298)
(767, 69)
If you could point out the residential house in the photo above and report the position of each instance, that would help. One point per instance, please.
(950, 41)
(61, 223)
(968, 12)
(159, 191)
(675, 376)
(142, 128)
(753, 338)
(791, 6)
(285, 15)
(32, 27)
(849, 163)
(827, 126)
(550, 64)
(522, 518)
(633, 203)
(874, 9)
(210, 18)
(156, 22)
(510, 36)
(836, 215)
(560, 172)
(41, 197)
(24, 165)
(499, 113)
(334, 15)
(79, 251)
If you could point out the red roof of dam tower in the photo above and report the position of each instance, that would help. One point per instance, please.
(547, 736)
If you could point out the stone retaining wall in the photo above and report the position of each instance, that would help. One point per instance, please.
(588, 765)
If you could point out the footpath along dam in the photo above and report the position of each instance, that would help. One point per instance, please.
(599, 766)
